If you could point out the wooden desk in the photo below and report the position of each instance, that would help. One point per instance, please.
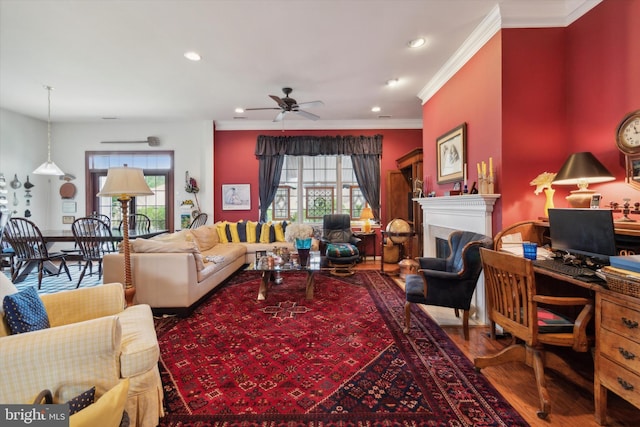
(364, 242)
(617, 322)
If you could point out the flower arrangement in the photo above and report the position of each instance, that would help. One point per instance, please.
(297, 230)
(543, 181)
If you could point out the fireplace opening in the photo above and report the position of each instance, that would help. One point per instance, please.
(442, 248)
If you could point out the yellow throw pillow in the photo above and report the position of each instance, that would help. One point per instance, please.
(277, 226)
(222, 231)
(204, 237)
(233, 229)
(251, 231)
(264, 234)
(106, 411)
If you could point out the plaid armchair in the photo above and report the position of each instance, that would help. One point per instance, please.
(92, 341)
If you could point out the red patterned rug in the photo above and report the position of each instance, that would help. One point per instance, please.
(340, 359)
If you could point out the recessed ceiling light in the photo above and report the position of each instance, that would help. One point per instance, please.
(416, 43)
(192, 56)
(392, 82)
(239, 110)
(376, 109)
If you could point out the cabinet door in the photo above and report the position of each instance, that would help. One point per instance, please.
(398, 196)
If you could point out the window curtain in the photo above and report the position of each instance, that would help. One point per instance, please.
(365, 152)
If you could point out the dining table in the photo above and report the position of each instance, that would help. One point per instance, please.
(65, 235)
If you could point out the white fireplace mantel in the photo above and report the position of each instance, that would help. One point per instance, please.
(471, 212)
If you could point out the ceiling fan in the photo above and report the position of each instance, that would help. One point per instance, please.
(290, 105)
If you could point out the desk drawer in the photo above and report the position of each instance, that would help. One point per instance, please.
(621, 381)
(620, 350)
(621, 319)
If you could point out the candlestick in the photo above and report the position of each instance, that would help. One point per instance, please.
(491, 167)
(464, 174)
(479, 171)
(484, 168)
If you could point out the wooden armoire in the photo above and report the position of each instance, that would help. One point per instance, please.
(400, 194)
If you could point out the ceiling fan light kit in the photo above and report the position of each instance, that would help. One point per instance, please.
(290, 105)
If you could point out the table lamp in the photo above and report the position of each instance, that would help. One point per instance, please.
(582, 169)
(125, 183)
(366, 215)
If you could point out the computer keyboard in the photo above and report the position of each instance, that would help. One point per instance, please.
(566, 269)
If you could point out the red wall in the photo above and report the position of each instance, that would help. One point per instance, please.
(531, 97)
(235, 162)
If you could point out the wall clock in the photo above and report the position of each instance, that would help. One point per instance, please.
(628, 133)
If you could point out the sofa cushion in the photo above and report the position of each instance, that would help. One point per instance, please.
(25, 311)
(82, 400)
(221, 227)
(139, 345)
(233, 234)
(153, 246)
(205, 237)
(252, 232)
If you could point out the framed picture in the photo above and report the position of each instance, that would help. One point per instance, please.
(236, 197)
(68, 207)
(68, 219)
(451, 154)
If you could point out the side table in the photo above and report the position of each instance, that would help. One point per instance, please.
(364, 242)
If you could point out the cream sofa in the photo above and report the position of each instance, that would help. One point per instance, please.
(173, 273)
(92, 341)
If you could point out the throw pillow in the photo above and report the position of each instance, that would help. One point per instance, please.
(106, 411)
(265, 233)
(232, 227)
(221, 227)
(204, 237)
(279, 230)
(25, 312)
(82, 400)
(252, 231)
(242, 231)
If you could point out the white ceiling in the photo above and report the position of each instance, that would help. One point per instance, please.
(124, 58)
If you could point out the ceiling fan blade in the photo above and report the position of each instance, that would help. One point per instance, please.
(307, 115)
(280, 116)
(305, 105)
(266, 108)
(280, 102)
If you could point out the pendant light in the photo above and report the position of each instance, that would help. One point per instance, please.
(48, 167)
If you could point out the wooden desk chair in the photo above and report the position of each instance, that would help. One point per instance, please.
(94, 238)
(513, 303)
(30, 248)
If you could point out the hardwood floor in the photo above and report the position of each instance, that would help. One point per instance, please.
(571, 406)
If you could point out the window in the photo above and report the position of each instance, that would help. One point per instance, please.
(158, 171)
(313, 186)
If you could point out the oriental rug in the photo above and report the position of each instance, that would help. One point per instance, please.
(340, 359)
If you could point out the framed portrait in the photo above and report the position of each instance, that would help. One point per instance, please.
(451, 154)
(236, 197)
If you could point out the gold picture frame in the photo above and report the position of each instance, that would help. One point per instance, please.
(451, 155)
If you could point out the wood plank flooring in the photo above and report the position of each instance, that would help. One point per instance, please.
(571, 406)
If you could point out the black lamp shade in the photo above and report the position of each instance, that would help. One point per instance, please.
(582, 168)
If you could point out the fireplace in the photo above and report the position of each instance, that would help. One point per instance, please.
(442, 215)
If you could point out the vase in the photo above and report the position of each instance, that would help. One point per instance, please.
(548, 204)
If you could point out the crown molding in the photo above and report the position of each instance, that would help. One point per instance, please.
(318, 125)
(501, 16)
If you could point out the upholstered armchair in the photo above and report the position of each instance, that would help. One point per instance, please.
(451, 281)
(339, 243)
(92, 341)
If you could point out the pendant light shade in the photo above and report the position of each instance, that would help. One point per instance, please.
(48, 167)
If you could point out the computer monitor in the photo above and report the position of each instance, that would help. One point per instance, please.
(587, 232)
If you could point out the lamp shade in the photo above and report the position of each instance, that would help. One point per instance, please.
(582, 169)
(48, 168)
(366, 213)
(125, 181)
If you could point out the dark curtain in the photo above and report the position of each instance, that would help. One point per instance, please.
(269, 178)
(365, 152)
(367, 170)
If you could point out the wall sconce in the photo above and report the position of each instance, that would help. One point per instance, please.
(582, 169)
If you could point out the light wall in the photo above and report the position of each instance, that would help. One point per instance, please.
(23, 148)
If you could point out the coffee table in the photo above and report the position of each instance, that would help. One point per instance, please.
(267, 273)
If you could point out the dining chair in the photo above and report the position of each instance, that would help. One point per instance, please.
(533, 320)
(31, 249)
(199, 220)
(94, 238)
(137, 222)
(101, 217)
(6, 251)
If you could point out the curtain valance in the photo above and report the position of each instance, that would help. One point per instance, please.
(307, 145)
